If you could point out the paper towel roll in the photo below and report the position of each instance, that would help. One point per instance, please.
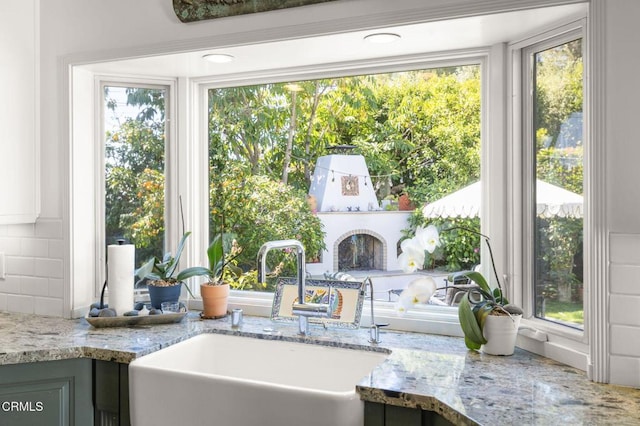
(120, 277)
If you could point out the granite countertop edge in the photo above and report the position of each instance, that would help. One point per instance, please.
(430, 372)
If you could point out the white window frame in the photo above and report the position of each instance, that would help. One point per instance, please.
(560, 342)
(172, 155)
(436, 319)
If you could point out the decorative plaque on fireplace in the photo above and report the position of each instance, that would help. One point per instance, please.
(350, 186)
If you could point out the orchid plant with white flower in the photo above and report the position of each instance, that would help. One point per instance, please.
(478, 302)
(411, 259)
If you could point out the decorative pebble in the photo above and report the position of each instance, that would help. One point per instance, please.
(133, 313)
(139, 306)
(94, 312)
(96, 305)
(107, 313)
(154, 311)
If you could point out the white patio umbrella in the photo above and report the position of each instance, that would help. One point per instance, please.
(553, 201)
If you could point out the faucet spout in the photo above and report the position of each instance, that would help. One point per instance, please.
(374, 330)
(283, 244)
(302, 309)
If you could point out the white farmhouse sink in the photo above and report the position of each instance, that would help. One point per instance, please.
(229, 380)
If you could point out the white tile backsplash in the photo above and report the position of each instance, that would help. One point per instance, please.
(37, 247)
(10, 246)
(624, 315)
(11, 284)
(49, 229)
(35, 270)
(624, 310)
(20, 265)
(20, 303)
(625, 340)
(625, 371)
(26, 230)
(56, 249)
(34, 286)
(48, 306)
(56, 288)
(48, 268)
(625, 279)
(624, 249)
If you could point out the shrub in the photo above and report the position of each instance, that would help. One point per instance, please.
(458, 250)
(257, 209)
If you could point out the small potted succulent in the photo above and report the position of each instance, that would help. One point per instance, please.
(163, 278)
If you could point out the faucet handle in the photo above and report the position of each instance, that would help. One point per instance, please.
(374, 332)
(311, 310)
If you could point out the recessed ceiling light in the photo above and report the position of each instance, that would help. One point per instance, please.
(382, 38)
(219, 58)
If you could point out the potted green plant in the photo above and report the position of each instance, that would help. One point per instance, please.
(489, 322)
(222, 273)
(163, 278)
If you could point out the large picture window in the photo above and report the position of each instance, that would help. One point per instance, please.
(286, 159)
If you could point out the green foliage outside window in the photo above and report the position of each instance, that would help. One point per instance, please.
(459, 249)
(134, 173)
(256, 209)
(419, 132)
(558, 121)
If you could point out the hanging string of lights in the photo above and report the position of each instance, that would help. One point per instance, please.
(343, 173)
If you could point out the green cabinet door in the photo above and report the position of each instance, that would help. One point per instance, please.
(52, 393)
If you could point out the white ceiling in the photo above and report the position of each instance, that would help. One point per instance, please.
(428, 37)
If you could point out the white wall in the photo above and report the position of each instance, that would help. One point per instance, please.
(622, 39)
(37, 255)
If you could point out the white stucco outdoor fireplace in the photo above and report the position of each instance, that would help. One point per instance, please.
(360, 235)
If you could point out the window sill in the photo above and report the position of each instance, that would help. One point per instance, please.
(540, 337)
(434, 320)
(558, 342)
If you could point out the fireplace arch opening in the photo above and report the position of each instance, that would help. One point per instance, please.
(361, 250)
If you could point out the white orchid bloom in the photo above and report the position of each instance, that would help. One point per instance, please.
(404, 302)
(419, 290)
(412, 256)
(422, 289)
(428, 237)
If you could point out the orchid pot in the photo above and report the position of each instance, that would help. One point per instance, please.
(162, 291)
(500, 332)
(164, 281)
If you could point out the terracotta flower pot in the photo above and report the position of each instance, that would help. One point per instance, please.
(214, 300)
(405, 204)
(501, 332)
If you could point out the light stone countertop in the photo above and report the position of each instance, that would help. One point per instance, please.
(435, 373)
